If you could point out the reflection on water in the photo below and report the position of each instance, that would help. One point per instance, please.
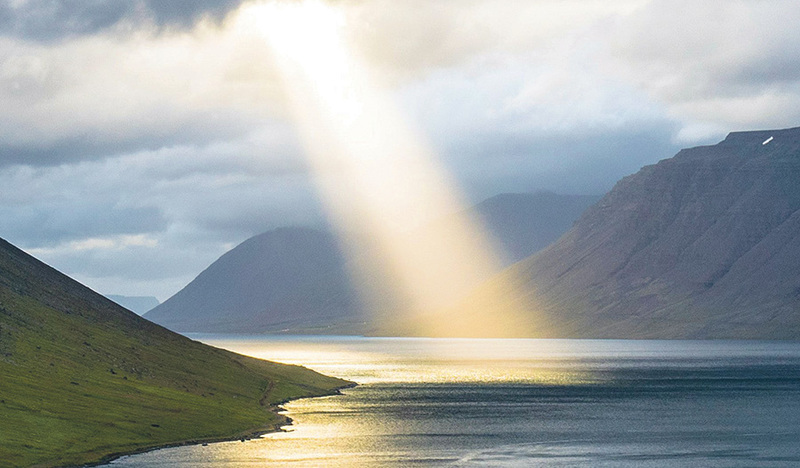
(461, 402)
(422, 360)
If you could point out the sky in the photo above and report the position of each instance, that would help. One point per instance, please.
(142, 139)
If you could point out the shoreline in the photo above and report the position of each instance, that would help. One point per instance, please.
(241, 436)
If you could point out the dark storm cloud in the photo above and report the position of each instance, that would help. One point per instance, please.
(50, 20)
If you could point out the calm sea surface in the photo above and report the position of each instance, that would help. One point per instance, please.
(551, 403)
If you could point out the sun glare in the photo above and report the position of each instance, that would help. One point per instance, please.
(378, 178)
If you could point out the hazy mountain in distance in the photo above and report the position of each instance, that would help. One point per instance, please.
(286, 279)
(524, 223)
(702, 245)
(138, 304)
(297, 279)
(82, 378)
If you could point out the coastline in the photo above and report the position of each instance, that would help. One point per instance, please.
(243, 436)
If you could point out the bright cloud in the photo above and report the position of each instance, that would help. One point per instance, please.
(99, 243)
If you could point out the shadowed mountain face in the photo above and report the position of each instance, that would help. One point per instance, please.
(297, 279)
(289, 278)
(524, 223)
(82, 378)
(703, 245)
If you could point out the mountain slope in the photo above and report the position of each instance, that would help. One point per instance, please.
(289, 278)
(82, 378)
(703, 245)
(297, 279)
(524, 223)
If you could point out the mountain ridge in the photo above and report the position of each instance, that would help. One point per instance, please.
(287, 277)
(682, 249)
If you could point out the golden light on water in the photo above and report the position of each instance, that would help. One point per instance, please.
(379, 178)
(425, 360)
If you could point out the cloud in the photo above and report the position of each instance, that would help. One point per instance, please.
(53, 20)
(587, 163)
(159, 264)
(549, 120)
(102, 96)
(148, 191)
(164, 121)
(43, 224)
(188, 12)
(47, 20)
(150, 221)
(558, 65)
(408, 39)
(724, 64)
(712, 66)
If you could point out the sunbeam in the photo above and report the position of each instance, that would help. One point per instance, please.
(378, 177)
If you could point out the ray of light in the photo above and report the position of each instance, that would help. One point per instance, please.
(377, 177)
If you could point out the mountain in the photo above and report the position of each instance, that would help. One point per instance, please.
(138, 304)
(703, 245)
(289, 278)
(82, 378)
(524, 223)
(297, 279)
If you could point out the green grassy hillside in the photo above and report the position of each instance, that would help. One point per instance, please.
(82, 378)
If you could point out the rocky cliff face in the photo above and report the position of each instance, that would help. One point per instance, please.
(703, 245)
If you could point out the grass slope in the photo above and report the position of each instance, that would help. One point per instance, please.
(82, 378)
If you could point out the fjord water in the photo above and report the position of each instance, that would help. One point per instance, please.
(514, 402)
